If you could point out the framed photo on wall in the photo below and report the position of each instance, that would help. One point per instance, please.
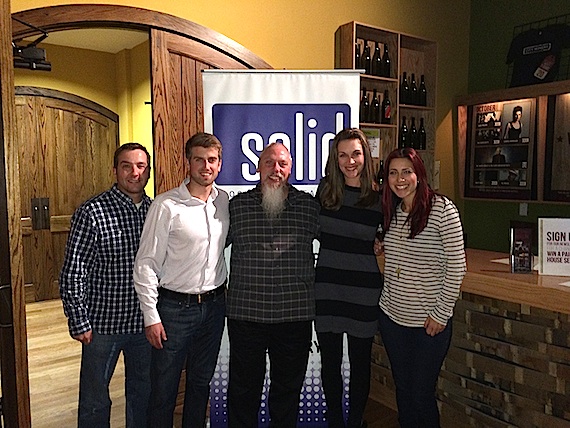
(557, 154)
(500, 150)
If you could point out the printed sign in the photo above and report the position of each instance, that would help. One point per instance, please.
(554, 246)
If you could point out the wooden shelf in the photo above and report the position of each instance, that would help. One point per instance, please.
(407, 53)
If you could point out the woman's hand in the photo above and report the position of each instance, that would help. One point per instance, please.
(433, 327)
(378, 247)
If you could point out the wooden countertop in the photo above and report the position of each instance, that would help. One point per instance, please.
(495, 280)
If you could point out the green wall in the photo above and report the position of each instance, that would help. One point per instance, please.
(486, 223)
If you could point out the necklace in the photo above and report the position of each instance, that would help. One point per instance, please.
(403, 233)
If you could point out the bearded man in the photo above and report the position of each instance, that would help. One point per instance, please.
(271, 301)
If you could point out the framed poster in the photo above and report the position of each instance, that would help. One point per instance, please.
(556, 176)
(500, 150)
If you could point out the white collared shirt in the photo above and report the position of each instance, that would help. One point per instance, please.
(182, 246)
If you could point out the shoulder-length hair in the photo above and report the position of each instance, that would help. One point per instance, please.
(332, 185)
(423, 199)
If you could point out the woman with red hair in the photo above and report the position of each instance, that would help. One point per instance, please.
(424, 267)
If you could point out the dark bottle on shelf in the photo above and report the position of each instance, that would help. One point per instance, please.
(422, 138)
(377, 61)
(380, 173)
(404, 89)
(375, 108)
(366, 59)
(413, 135)
(386, 108)
(386, 63)
(364, 106)
(357, 61)
(422, 92)
(403, 140)
(413, 91)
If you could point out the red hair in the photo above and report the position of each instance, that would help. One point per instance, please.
(423, 199)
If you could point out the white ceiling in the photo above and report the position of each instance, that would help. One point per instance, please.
(98, 39)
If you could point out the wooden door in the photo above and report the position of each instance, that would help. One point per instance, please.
(66, 146)
(177, 63)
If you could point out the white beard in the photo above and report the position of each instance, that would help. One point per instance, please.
(273, 200)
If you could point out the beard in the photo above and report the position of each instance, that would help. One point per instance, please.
(273, 200)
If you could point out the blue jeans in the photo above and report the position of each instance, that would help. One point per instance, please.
(194, 332)
(416, 359)
(98, 362)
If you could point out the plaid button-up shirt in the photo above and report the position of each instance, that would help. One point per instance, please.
(96, 280)
(272, 271)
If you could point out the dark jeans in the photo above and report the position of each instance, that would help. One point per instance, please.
(98, 362)
(416, 360)
(331, 350)
(287, 345)
(194, 333)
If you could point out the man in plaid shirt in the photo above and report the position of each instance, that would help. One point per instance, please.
(271, 300)
(99, 299)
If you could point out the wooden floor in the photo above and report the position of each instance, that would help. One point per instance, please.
(54, 360)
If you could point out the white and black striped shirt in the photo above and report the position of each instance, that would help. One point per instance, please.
(423, 275)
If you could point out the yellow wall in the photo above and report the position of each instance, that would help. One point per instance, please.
(297, 34)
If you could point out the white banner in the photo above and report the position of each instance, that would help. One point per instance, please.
(247, 110)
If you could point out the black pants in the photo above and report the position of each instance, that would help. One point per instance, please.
(416, 359)
(331, 350)
(287, 345)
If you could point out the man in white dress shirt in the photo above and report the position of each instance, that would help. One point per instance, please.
(180, 279)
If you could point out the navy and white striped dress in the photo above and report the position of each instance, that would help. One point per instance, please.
(348, 280)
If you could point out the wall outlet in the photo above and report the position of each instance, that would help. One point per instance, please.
(523, 209)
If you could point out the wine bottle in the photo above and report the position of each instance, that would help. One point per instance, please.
(364, 106)
(422, 92)
(422, 138)
(386, 63)
(357, 64)
(377, 61)
(386, 108)
(375, 108)
(413, 91)
(413, 134)
(366, 59)
(404, 89)
(403, 134)
(380, 173)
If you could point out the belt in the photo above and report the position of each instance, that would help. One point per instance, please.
(192, 298)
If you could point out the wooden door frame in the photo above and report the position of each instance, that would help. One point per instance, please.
(56, 18)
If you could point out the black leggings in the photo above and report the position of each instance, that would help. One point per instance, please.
(331, 350)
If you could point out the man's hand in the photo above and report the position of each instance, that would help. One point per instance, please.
(155, 334)
(85, 338)
(433, 327)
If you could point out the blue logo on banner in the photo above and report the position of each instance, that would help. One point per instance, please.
(306, 129)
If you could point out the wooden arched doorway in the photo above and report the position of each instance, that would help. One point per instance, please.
(179, 51)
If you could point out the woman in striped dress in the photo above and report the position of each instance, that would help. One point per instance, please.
(348, 280)
(424, 268)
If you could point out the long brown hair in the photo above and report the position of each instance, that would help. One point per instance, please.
(332, 188)
(423, 199)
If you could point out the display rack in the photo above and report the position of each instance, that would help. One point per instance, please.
(408, 54)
